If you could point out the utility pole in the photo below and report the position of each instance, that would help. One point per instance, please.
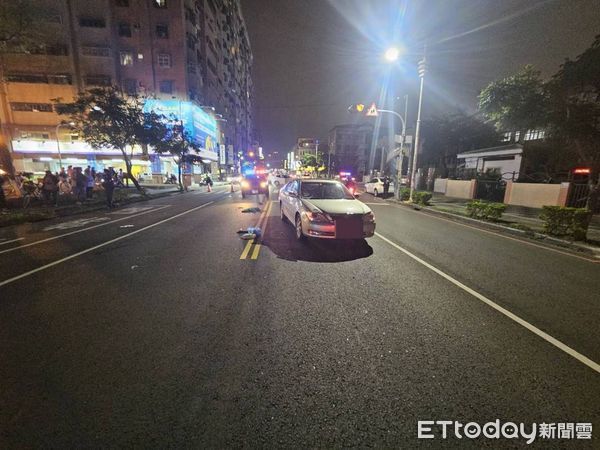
(422, 70)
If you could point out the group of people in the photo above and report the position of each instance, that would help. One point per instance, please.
(80, 183)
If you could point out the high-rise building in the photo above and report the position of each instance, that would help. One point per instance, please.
(350, 148)
(196, 52)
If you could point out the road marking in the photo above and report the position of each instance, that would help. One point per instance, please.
(246, 249)
(75, 223)
(130, 210)
(565, 348)
(12, 240)
(262, 221)
(41, 241)
(104, 244)
(256, 251)
(496, 233)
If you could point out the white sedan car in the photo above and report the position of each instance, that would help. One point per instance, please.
(375, 186)
(325, 209)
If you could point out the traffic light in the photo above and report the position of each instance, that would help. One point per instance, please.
(356, 108)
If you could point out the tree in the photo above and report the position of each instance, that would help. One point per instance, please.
(20, 29)
(106, 118)
(574, 112)
(178, 143)
(446, 136)
(515, 103)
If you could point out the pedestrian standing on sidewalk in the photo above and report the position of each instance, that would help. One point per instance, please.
(2, 197)
(108, 184)
(209, 182)
(386, 185)
(80, 184)
(50, 188)
(89, 188)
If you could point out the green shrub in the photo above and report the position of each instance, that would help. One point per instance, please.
(404, 194)
(478, 209)
(561, 221)
(422, 197)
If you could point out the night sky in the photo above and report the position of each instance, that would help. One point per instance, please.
(313, 58)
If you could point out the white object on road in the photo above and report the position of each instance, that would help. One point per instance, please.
(76, 223)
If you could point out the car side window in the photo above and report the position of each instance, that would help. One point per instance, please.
(374, 180)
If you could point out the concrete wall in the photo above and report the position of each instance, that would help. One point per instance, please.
(536, 195)
(460, 188)
(439, 185)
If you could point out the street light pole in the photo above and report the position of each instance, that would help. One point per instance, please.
(403, 121)
(422, 70)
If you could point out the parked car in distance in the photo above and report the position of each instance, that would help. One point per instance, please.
(278, 179)
(325, 209)
(375, 186)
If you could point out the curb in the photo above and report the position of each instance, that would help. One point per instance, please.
(539, 238)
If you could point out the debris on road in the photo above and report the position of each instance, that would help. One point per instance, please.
(255, 230)
(252, 210)
(126, 226)
(248, 236)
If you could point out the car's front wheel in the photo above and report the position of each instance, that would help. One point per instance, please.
(299, 233)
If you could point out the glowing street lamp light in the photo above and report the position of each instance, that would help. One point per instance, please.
(392, 54)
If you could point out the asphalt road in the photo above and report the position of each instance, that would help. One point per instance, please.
(157, 326)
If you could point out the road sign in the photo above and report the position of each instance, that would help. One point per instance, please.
(372, 111)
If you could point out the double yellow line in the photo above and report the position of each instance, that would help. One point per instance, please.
(252, 247)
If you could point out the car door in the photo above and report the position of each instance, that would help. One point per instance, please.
(290, 195)
(370, 186)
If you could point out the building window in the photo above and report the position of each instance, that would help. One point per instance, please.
(124, 3)
(31, 107)
(92, 22)
(164, 60)
(125, 29)
(96, 51)
(160, 3)
(126, 59)
(97, 80)
(166, 86)
(162, 31)
(39, 78)
(130, 86)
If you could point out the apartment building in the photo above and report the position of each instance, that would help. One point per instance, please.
(195, 52)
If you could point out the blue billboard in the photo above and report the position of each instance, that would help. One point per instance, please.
(201, 126)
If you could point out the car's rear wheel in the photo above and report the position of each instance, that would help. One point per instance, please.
(299, 235)
(375, 193)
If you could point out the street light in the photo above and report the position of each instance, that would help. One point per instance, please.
(72, 124)
(422, 69)
(392, 54)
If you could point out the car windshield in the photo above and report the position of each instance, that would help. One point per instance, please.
(325, 191)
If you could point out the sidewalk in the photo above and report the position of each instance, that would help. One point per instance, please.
(123, 196)
(524, 218)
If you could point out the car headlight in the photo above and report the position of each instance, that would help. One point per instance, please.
(263, 184)
(245, 184)
(318, 217)
(369, 217)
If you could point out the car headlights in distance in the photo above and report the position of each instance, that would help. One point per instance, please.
(369, 218)
(318, 217)
(245, 184)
